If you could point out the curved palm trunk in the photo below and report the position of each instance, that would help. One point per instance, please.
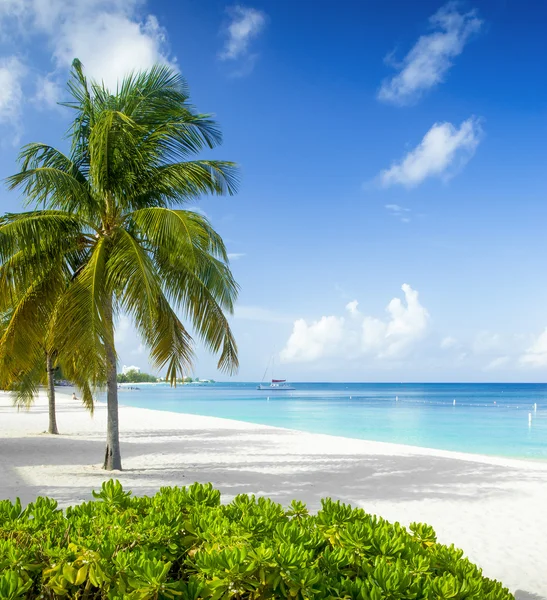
(112, 457)
(52, 428)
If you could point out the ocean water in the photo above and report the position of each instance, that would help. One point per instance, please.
(493, 419)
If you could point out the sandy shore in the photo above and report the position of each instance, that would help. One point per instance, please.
(493, 508)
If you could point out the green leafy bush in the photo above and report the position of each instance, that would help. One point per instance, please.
(183, 543)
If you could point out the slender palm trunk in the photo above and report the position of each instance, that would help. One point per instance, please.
(112, 457)
(51, 395)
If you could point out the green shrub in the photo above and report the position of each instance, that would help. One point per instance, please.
(183, 543)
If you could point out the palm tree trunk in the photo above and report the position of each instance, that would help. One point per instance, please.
(112, 457)
(51, 395)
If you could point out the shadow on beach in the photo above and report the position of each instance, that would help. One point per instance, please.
(239, 462)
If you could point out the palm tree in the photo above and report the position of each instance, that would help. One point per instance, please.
(27, 358)
(112, 202)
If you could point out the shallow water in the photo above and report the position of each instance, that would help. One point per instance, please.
(487, 418)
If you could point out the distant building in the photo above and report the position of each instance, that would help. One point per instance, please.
(126, 369)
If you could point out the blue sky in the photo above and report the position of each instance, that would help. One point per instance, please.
(390, 221)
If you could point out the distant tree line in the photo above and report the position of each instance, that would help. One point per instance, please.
(136, 377)
(196, 380)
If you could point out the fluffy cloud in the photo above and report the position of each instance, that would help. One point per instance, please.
(244, 26)
(112, 45)
(111, 38)
(356, 335)
(443, 150)
(536, 354)
(431, 57)
(12, 72)
(310, 342)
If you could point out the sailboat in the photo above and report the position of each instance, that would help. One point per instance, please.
(276, 385)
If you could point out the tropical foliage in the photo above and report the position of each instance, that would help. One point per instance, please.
(105, 222)
(23, 367)
(183, 543)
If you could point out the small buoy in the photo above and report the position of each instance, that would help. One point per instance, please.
(529, 418)
(535, 407)
(396, 398)
(350, 397)
(454, 403)
(268, 398)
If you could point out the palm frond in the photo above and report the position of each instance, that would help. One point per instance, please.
(185, 248)
(180, 182)
(51, 179)
(22, 344)
(180, 232)
(24, 390)
(134, 279)
(36, 234)
(79, 321)
(203, 292)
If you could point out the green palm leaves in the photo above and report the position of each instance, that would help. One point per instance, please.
(106, 237)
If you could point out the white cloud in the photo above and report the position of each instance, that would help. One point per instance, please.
(111, 45)
(245, 25)
(431, 57)
(359, 335)
(488, 343)
(310, 342)
(497, 363)
(443, 150)
(536, 354)
(111, 38)
(351, 307)
(448, 342)
(12, 72)
(48, 93)
(236, 255)
(399, 212)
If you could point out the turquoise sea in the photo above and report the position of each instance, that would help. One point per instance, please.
(494, 419)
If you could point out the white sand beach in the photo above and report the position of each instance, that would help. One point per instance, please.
(493, 508)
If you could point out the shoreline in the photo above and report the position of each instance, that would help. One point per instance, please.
(423, 450)
(491, 507)
(389, 447)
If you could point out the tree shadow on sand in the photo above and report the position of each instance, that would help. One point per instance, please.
(239, 461)
(522, 595)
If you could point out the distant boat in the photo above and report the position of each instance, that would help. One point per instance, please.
(277, 385)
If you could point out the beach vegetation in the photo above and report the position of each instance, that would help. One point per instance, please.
(184, 543)
(28, 360)
(136, 377)
(107, 213)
